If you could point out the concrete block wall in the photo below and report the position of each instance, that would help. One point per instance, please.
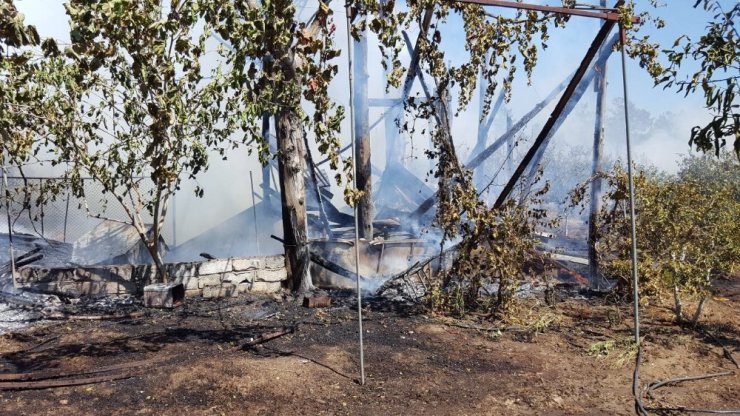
(212, 278)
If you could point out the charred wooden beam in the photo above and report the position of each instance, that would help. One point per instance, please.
(596, 167)
(603, 57)
(419, 75)
(266, 168)
(319, 198)
(291, 163)
(478, 159)
(334, 267)
(394, 149)
(561, 105)
(364, 170)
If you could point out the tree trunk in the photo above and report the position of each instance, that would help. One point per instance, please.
(291, 168)
(678, 304)
(153, 243)
(699, 310)
(362, 140)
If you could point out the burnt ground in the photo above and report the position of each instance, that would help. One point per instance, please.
(573, 359)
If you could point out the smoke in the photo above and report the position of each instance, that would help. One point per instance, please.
(223, 222)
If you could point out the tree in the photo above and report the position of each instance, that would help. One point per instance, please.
(16, 92)
(283, 67)
(687, 232)
(129, 101)
(717, 54)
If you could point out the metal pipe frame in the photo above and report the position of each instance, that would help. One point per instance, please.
(608, 15)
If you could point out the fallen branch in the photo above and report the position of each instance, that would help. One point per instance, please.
(63, 316)
(45, 375)
(483, 328)
(728, 355)
(265, 337)
(37, 385)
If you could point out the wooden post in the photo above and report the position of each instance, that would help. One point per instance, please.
(509, 144)
(266, 168)
(291, 169)
(362, 139)
(595, 204)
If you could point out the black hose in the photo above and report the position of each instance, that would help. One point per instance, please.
(641, 410)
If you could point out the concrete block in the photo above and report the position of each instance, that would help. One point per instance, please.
(273, 262)
(190, 282)
(81, 288)
(265, 287)
(272, 275)
(215, 266)
(193, 293)
(163, 295)
(246, 263)
(210, 280)
(219, 291)
(243, 276)
(182, 270)
(113, 288)
(244, 287)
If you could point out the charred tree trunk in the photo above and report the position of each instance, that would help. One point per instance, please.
(266, 168)
(362, 140)
(595, 205)
(291, 169)
(509, 144)
(594, 280)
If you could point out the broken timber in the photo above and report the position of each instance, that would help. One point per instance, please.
(561, 105)
(603, 57)
(490, 150)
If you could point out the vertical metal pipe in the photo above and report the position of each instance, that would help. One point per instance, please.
(10, 227)
(254, 211)
(174, 220)
(633, 227)
(348, 10)
(41, 206)
(66, 217)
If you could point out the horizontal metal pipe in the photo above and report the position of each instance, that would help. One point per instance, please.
(610, 16)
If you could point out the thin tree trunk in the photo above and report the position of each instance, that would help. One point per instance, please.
(160, 210)
(678, 304)
(700, 307)
(291, 168)
(362, 140)
(699, 310)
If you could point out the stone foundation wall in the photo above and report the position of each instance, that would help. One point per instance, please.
(212, 278)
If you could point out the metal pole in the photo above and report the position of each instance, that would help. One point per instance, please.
(41, 207)
(254, 211)
(354, 184)
(10, 227)
(66, 216)
(633, 227)
(174, 220)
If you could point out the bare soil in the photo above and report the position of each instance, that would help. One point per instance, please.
(575, 358)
